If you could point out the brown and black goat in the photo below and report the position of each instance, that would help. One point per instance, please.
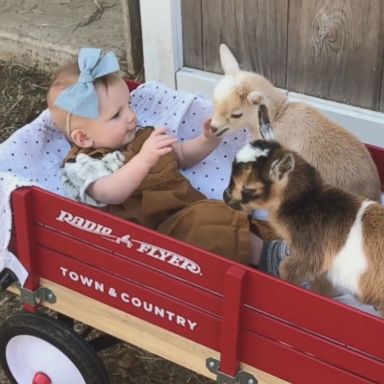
(331, 232)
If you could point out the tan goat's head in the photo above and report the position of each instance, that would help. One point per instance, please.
(237, 96)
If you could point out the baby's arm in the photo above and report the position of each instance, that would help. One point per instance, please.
(192, 151)
(118, 186)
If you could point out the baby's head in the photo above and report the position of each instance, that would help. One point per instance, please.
(91, 105)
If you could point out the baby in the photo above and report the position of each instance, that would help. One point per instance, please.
(131, 172)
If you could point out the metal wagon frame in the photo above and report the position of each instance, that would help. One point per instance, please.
(223, 320)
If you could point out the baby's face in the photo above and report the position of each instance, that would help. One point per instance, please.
(116, 124)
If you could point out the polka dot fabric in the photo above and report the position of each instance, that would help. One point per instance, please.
(31, 156)
(184, 114)
(34, 154)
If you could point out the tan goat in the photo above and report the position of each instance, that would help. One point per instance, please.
(331, 232)
(341, 158)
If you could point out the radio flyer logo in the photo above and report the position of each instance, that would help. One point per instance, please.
(161, 254)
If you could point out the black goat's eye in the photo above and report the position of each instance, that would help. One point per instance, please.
(248, 192)
(251, 194)
(236, 115)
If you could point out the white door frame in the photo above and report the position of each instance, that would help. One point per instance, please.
(163, 61)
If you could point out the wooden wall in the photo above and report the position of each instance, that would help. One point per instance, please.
(332, 49)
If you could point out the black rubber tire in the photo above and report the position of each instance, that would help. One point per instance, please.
(60, 336)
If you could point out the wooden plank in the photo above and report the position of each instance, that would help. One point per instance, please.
(138, 332)
(335, 50)
(255, 30)
(191, 11)
(133, 40)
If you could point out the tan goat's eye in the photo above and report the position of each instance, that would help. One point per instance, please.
(236, 115)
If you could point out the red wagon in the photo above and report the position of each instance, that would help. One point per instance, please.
(218, 318)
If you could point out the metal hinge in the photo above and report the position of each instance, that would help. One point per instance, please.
(35, 298)
(242, 377)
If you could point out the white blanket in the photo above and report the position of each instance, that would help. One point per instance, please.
(33, 154)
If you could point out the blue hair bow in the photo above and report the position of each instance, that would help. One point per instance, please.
(81, 99)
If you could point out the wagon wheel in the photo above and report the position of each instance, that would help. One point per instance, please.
(38, 349)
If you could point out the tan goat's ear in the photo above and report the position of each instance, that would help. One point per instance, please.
(281, 168)
(255, 98)
(228, 61)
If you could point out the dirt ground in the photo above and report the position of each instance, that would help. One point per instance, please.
(22, 98)
(47, 32)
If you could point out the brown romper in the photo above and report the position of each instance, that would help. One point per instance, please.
(167, 202)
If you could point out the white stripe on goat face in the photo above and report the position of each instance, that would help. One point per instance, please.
(351, 262)
(250, 153)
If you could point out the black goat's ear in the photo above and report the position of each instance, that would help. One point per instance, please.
(282, 167)
(263, 115)
(265, 126)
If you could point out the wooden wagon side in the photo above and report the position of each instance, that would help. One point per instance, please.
(187, 305)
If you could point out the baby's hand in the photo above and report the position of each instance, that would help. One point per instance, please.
(158, 144)
(208, 133)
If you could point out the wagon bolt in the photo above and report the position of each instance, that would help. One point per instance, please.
(211, 364)
(250, 381)
(50, 296)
